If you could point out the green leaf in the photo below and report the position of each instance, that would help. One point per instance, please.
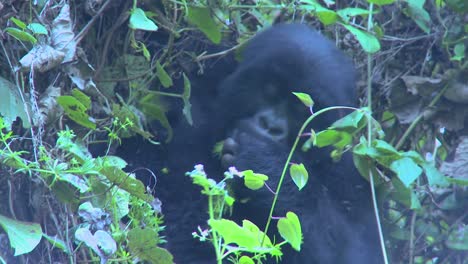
(459, 51)
(76, 111)
(37, 29)
(142, 243)
(165, 79)
(339, 139)
(82, 97)
(381, 2)
(299, 175)
(23, 236)
(187, 111)
(407, 170)
(154, 109)
(138, 20)
(18, 23)
(354, 120)
(201, 18)
(254, 181)
(21, 35)
(416, 11)
(290, 229)
(368, 42)
(126, 182)
(405, 195)
(75, 181)
(246, 260)
(11, 105)
(325, 15)
(434, 176)
(248, 236)
(305, 99)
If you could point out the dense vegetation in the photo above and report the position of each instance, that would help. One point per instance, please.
(78, 78)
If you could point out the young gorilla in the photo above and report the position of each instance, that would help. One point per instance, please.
(255, 113)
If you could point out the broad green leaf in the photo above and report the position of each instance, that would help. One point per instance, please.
(76, 111)
(299, 175)
(138, 20)
(11, 105)
(305, 99)
(38, 29)
(289, 228)
(21, 35)
(201, 18)
(406, 170)
(142, 243)
(254, 181)
(368, 42)
(23, 236)
(165, 79)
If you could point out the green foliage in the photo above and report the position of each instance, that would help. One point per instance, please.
(75, 174)
(142, 243)
(11, 105)
(299, 175)
(139, 21)
(254, 181)
(305, 99)
(290, 229)
(76, 110)
(202, 18)
(23, 236)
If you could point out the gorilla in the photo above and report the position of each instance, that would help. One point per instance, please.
(252, 110)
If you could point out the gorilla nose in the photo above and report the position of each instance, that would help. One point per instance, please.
(272, 124)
